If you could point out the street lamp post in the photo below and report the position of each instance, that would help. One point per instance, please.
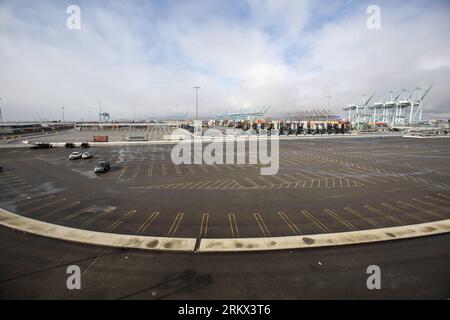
(1, 116)
(62, 114)
(196, 102)
(100, 112)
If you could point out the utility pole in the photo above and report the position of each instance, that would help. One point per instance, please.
(1, 116)
(100, 112)
(196, 102)
(62, 114)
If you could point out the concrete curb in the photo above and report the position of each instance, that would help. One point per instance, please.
(325, 240)
(48, 230)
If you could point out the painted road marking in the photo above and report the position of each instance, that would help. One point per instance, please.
(98, 216)
(177, 169)
(173, 229)
(423, 209)
(191, 170)
(121, 220)
(76, 214)
(48, 204)
(150, 170)
(122, 172)
(253, 183)
(314, 220)
(32, 201)
(379, 212)
(333, 214)
(262, 225)
(360, 215)
(289, 222)
(136, 172)
(233, 225)
(204, 226)
(411, 215)
(439, 200)
(432, 204)
(443, 196)
(163, 169)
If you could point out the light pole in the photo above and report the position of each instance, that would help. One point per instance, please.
(100, 112)
(62, 114)
(196, 102)
(1, 116)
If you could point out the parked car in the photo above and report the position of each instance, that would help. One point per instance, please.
(86, 155)
(85, 145)
(101, 167)
(41, 146)
(70, 145)
(75, 156)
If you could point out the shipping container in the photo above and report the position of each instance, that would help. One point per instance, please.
(100, 138)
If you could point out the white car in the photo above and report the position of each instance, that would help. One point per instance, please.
(86, 155)
(75, 156)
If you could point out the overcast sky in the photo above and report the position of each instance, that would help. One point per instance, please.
(144, 57)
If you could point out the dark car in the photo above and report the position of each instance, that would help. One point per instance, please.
(85, 145)
(101, 167)
(70, 145)
(41, 146)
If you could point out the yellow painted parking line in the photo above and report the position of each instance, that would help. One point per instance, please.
(122, 172)
(360, 215)
(98, 216)
(432, 213)
(191, 170)
(136, 172)
(396, 220)
(121, 220)
(443, 196)
(262, 225)
(333, 214)
(216, 184)
(411, 215)
(204, 226)
(253, 183)
(32, 201)
(163, 169)
(439, 200)
(48, 204)
(432, 204)
(229, 167)
(279, 179)
(177, 169)
(76, 214)
(315, 221)
(265, 180)
(150, 170)
(289, 222)
(233, 225)
(195, 185)
(173, 229)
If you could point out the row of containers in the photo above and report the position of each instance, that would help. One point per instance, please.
(125, 138)
(281, 127)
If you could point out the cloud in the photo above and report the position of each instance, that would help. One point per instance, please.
(147, 56)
